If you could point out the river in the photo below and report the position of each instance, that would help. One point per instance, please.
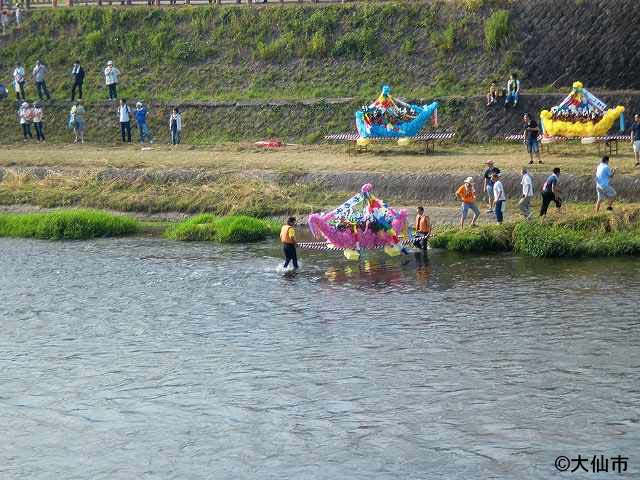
(144, 358)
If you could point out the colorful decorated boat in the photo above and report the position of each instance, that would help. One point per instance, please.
(389, 117)
(362, 222)
(581, 114)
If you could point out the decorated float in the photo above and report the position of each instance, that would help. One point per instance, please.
(580, 115)
(389, 117)
(363, 222)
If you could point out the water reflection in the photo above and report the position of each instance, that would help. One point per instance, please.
(141, 358)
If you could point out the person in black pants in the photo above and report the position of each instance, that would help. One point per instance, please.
(124, 114)
(550, 192)
(78, 79)
(288, 239)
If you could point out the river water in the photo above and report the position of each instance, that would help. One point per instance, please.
(144, 358)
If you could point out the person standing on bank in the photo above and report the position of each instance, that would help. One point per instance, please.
(18, 81)
(550, 192)
(603, 189)
(635, 138)
(25, 114)
(288, 239)
(39, 72)
(124, 115)
(531, 132)
(499, 197)
(175, 126)
(76, 121)
(141, 120)
(77, 72)
(487, 183)
(466, 193)
(111, 75)
(37, 114)
(527, 194)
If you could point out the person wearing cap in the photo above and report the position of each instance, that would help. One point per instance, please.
(422, 229)
(141, 120)
(18, 81)
(487, 184)
(39, 72)
(531, 132)
(37, 114)
(603, 189)
(466, 193)
(25, 115)
(77, 72)
(124, 115)
(550, 192)
(111, 75)
(499, 197)
(527, 194)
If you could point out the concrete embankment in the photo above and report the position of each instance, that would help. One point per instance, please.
(431, 187)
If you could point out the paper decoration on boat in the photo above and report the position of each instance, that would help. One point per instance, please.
(362, 222)
(581, 114)
(390, 117)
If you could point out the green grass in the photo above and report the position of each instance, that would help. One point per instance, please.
(576, 235)
(496, 29)
(230, 53)
(66, 225)
(231, 229)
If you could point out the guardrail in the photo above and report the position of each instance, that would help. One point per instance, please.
(71, 3)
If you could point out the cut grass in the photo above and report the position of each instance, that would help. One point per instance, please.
(231, 229)
(66, 225)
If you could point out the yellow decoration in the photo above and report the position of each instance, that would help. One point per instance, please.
(404, 142)
(577, 85)
(392, 251)
(352, 255)
(561, 128)
(362, 142)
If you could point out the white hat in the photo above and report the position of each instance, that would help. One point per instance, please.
(110, 62)
(138, 104)
(468, 180)
(24, 104)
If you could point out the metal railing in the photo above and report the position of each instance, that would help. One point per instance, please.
(71, 3)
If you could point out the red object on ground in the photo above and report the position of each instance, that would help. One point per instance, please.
(271, 143)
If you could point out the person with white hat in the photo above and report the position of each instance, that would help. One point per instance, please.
(111, 75)
(487, 184)
(141, 120)
(19, 81)
(499, 197)
(466, 193)
(25, 115)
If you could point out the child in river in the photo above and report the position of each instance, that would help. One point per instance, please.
(288, 239)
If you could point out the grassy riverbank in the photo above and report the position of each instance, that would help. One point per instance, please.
(231, 229)
(574, 234)
(67, 225)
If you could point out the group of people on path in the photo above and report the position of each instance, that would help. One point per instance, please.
(549, 192)
(5, 18)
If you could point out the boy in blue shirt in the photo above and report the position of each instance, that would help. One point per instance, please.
(141, 119)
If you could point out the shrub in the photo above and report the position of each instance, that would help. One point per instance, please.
(445, 41)
(66, 225)
(359, 43)
(231, 229)
(317, 45)
(279, 49)
(497, 29)
(490, 238)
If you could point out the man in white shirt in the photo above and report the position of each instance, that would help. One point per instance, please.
(527, 194)
(111, 75)
(603, 189)
(39, 72)
(124, 115)
(499, 197)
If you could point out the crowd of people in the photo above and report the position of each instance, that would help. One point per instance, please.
(511, 94)
(33, 113)
(6, 16)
